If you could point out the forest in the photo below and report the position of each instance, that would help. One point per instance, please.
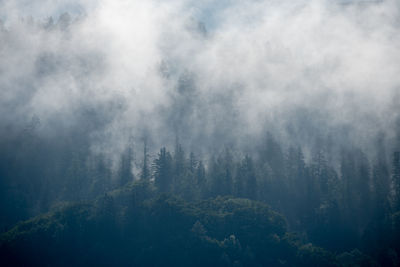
(200, 133)
(282, 210)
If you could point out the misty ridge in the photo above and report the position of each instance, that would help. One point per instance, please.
(301, 71)
(114, 112)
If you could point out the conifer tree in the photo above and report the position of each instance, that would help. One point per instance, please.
(201, 178)
(145, 172)
(396, 179)
(125, 174)
(163, 171)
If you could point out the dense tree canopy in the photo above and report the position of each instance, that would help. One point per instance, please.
(340, 208)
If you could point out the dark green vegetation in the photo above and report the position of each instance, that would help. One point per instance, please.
(181, 211)
(132, 227)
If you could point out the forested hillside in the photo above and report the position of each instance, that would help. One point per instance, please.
(127, 227)
(200, 133)
(339, 210)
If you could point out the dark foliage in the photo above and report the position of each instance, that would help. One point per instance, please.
(126, 229)
(348, 207)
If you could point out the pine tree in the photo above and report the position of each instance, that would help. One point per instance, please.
(125, 174)
(239, 184)
(381, 189)
(228, 173)
(381, 182)
(101, 173)
(201, 178)
(246, 181)
(363, 185)
(348, 177)
(216, 177)
(297, 185)
(192, 163)
(163, 171)
(183, 183)
(272, 153)
(221, 174)
(76, 177)
(145, 172)
(178, 168)
(396, 179)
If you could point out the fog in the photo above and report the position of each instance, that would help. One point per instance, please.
(211, 74)
(200, 133)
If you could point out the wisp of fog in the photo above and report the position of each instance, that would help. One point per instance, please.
(212, 74)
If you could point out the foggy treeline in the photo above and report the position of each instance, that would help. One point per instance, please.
(115, 122)
(338, 207)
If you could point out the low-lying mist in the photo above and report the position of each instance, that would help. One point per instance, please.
(212, 74)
